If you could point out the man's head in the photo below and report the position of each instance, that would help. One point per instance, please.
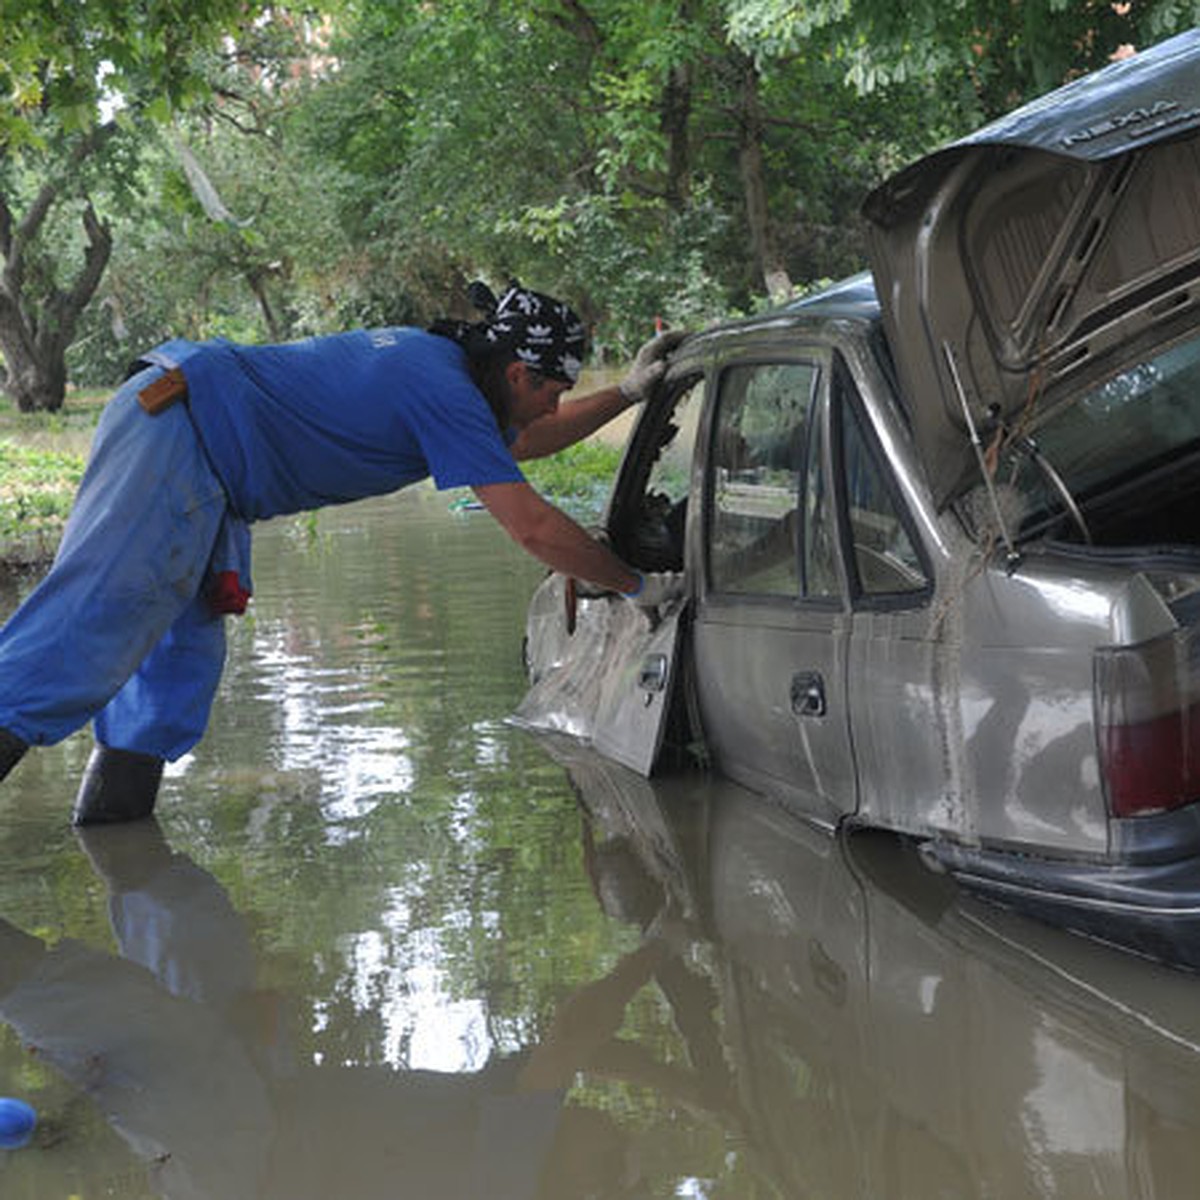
(543, 333)
(524, 354)
(530, 394)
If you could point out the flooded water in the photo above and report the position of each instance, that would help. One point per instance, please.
(379, 943)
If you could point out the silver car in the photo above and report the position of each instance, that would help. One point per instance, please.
(940, 524)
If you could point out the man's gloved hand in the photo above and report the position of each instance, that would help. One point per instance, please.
(649, 365)
(658, 587)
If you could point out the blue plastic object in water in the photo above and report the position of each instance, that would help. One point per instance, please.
(17, 1121)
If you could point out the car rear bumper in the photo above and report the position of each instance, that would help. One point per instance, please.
(1151, 908)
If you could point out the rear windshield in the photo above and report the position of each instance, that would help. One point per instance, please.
(1135, 423)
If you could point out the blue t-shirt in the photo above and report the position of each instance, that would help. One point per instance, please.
(332, 419)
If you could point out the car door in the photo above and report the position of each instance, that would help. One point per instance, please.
(772, 619)
(602, 668)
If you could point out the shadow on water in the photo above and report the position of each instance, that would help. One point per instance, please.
(379, 943)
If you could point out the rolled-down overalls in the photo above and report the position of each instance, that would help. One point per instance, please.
(122, 629)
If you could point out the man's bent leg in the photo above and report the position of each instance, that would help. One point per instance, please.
(159, 714)
(134, 552)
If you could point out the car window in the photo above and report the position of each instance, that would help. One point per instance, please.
(670, 476)
(647, 527)
(1142, 418)
(885, 561)
(758, 454)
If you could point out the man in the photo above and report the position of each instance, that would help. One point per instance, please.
(206, 438)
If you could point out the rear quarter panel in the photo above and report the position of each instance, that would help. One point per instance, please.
(979, 721)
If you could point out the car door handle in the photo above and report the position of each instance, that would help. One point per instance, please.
(652, 677)
(808, 694)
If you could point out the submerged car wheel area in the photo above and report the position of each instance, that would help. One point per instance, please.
(937, 525)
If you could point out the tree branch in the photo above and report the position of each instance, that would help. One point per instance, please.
(62, 309)
(31, 222)
(576, 20)
(6, 221)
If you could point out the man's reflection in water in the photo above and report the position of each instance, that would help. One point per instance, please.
(191, 1064)
(154, 1037)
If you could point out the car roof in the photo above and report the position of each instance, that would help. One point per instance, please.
(851, 299)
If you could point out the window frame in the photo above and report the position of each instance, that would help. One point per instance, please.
(815, 447)
(845, 396)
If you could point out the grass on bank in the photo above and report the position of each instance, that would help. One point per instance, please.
(36, 489)
(42, 456)
(578, 478)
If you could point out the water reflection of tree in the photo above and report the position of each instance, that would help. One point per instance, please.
(193, 1059)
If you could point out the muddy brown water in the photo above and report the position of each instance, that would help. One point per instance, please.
(380, 943)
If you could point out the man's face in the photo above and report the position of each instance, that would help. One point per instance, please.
(532, 395)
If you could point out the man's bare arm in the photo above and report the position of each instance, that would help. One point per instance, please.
(572, 422)
(554, 538)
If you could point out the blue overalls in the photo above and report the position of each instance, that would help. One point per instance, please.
(121, 627)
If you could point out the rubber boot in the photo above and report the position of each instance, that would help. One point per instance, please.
(117, 785)
(12, 750)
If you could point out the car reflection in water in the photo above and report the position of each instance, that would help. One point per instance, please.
(888, 1034)
(850, 1025)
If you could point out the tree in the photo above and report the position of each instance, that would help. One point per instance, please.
(38, 314)
(83, 79)
(624, 153)
(988, 57)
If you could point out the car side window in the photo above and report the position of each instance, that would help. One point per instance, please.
(885, 561)
(759, 449)
(671, 474)
(648, 522)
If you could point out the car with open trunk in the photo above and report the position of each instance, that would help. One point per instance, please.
(940, 524)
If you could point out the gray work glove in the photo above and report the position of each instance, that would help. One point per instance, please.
(649, 365)
(658, 587)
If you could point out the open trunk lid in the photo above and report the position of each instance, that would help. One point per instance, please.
(1042, 249)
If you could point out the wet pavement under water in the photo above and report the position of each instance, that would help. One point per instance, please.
(380, 943)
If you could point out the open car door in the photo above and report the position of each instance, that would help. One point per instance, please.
(610, 680)
(604, 669)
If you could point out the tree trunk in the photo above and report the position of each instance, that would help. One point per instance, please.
(750, 126)
(36, 331)
(676, 118)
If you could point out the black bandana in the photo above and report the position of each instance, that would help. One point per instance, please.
(540, 331)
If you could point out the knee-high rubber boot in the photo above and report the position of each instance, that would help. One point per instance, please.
(12, 750)
(117, 785)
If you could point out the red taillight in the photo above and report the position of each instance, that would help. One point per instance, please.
(1148, 722)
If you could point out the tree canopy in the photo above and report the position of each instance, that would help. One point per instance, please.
(218, 168)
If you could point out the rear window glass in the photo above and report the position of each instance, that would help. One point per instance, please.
(1136, 421)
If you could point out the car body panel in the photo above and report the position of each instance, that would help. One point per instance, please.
(1045, 242)
(779, 719)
